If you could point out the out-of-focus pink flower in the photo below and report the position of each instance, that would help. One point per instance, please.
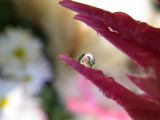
(88, 104)
(81, 106)
(138, 107)
(136, 39)
(85, 90)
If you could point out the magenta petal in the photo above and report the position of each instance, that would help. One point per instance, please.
(140, 55)
(138, 40)
(138, 107)
(150, 85)
(140, 32)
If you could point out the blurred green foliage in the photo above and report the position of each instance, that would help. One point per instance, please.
(7, 14)
(156, 5)
(52, 105)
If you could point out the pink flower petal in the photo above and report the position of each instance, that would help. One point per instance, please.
(148, 84)
(139, 108)
(137, 53)
(80, 106)
(139, 32)
(85, 90)
(137, 39)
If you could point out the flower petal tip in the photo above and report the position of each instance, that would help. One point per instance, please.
(62, 56)
(62, 2)
(80, 17)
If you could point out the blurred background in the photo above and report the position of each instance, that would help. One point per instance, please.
(35, 85)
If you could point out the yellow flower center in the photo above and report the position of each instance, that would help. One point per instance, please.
(19, 53)
(27, 78)
(3, 102)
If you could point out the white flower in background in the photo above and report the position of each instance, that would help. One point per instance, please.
(22, 61)
(19, 46)
(23, 72)
(16, 102)
(6, 86)
(3, 104)
(21, 106)
(35, 75)
(32, 76)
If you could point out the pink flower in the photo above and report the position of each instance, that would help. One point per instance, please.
(136, 39)
(81, 106)
(88, 104)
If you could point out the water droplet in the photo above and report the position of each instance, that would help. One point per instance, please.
(112, 30)
(87, 59)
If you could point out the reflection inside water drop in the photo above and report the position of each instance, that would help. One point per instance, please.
(87, 59)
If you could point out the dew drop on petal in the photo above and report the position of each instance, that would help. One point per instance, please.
(87, 59)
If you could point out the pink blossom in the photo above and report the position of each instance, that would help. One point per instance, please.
(88, 104)
(81, 106)
(136, 39)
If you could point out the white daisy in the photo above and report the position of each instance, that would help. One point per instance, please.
(21, 60)
(35, 75)
(18, 46)
(6, 86)
(20, 106)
